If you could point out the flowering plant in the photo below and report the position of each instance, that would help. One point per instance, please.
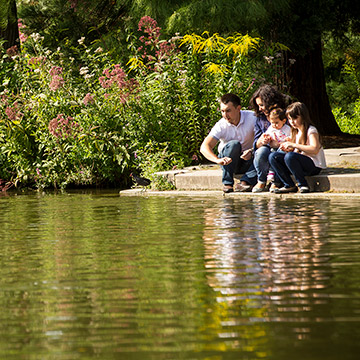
(88, 119)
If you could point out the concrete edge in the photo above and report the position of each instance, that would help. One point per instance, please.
(220, 194)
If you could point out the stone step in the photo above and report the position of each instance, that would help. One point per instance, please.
(209, 177)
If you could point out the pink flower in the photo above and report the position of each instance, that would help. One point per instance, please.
(53, 125)
(23, 37)
(106, 72)
(36, 60)
(55, 70)
(88, 99)
(11, 113)
(56, 83)
(104, 82)
(12, 51)
(62, 127)
(149, 26)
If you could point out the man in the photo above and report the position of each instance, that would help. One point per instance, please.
(235, 131)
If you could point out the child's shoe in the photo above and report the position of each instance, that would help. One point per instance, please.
(270, 176)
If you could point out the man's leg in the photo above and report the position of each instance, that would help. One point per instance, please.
(232, 150)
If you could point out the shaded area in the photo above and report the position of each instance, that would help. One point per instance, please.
(340, 141)
(341, 170)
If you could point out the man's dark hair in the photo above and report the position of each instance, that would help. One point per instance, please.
(231, 98)
(269, 96)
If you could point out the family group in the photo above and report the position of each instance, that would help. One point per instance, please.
(271, 145)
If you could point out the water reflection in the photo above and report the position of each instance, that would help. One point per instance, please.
(95, 275)
(268, 261)
(279, 246)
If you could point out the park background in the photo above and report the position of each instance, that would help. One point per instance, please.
(92, 90)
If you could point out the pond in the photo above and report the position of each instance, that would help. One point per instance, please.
(95, 275)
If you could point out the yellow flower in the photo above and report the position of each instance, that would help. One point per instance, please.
(135, 63)
(215, 69)
(202, 43)
(241, 44)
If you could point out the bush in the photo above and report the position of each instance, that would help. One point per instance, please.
(349, 124)
(89, 120)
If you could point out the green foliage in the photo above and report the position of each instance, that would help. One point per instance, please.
(342, 66)
(349, 124)
(155, 157)
(341, 60)
(5, 13)
(101, 21)
(87, 119)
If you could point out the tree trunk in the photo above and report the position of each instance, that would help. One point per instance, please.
(11, 33)
(308, 86)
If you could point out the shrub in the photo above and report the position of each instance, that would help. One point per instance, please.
(349, 124)
(90, 120)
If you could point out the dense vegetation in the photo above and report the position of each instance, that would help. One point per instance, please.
(82, 109)
(75, 116)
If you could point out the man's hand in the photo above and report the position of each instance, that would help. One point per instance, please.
(224, 161)
(246, 155)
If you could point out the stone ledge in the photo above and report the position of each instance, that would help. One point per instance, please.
(343, 174)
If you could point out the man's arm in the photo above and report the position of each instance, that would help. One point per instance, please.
(206, 149)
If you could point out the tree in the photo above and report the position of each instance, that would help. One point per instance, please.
(57, 20)
(9, 30)
(298, 24)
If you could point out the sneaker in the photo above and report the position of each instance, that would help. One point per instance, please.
(242, 188)
(228, 189)
(286, 190)
(304, 189)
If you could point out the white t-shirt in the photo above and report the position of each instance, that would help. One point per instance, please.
(279, 134)
(243, 132)
(319, 158)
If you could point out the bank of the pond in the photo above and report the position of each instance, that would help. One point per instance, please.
(341, 177)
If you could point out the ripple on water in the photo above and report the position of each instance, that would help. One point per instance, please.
(87, 275)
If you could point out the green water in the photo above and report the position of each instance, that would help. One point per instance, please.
(96, 275)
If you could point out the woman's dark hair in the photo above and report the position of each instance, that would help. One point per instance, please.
(269, 96)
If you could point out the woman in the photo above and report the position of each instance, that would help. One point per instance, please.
(302, 156)
(263, 99)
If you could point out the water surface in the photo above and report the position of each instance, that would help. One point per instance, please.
(95, 275)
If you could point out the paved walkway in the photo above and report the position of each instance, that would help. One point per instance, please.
(341, 176)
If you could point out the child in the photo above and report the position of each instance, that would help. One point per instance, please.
(277, 133)
(302, 155)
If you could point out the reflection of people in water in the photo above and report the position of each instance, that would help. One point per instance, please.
(227, 240)
(262, 234)
(259, 250)
(291, 245)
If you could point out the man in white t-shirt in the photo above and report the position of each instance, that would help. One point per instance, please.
(235, 132)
